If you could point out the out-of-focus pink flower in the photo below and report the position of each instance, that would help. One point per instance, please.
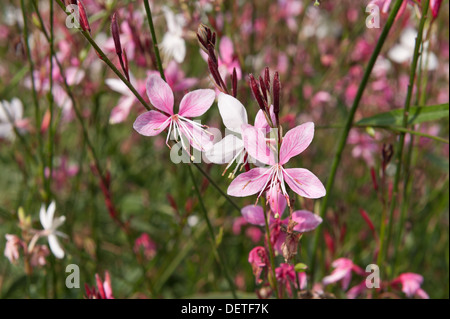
(254, 233)
(11, 115)
(285, 275)
(120, 112)
(258, 259)
(289, 10)
(104, 288)
(365, 146)
(62, 172)
(342, 272)
(144, 244)
(176, 78)
(38, 255)
(13, 243)
(410, 283)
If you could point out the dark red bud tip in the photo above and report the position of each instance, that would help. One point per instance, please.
(84, 22)
(263, 89)
(116, 34)
(234, 83)
(256, 92)
(276, 93)
(267, 78)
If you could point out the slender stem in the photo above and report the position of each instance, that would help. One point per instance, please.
(401, 141)
(349, 122)
(103, 56)
(217, 187)
(148, 11)
(220, 260)
(37, 112)
(51, 132)
(271, 252)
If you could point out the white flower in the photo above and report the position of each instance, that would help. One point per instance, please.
(173, 44)
(50, 225)
(11, 114)
(404, 51)
(231, 148)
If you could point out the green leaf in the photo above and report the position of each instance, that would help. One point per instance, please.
(417, 114)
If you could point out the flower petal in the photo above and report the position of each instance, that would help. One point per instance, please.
(306, 221)
(43, 217)
(226, 50)
(296, 141)
(254, 215)
(233, 113)
(198, 137)
(197, 102)
(225, 150)
(304, 183)
(151, 123)
(55, 247)
(256, 146)
(160, 94)
(50, 213)
(120, 112)
(248, 183)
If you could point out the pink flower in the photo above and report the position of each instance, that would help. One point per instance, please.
(258, 259)
(120, 112)
(365, 146)
(146, 245)
(411, 283)
(40, 252)
(227, 59)
(193, 104)
(343, 271)
(285, 275)
(306, 221)
(13, 243)
(104, 288)
(272, 178)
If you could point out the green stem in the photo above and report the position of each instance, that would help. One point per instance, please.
(51, 129)
(218, 256)
(148, 11)
(349, 122)
(401, 142)
(271, 252)
(37, 112)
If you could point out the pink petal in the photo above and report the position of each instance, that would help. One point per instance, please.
(248, 183)
(256, 146)
(226, 50)
(304, 183)
(277, 201)
(260, 119)
(296, 141)
(120, 112)
(253, 215)
(151, 123)
(160, 94)
(197, 102)
(335, 276)
(306, 221)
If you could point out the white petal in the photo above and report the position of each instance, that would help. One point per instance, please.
(118, 86)
(400, 54)
(43, 217)
(16, 109)
(50, 213)
(233, 113)
(55, 247)
(225, 150)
